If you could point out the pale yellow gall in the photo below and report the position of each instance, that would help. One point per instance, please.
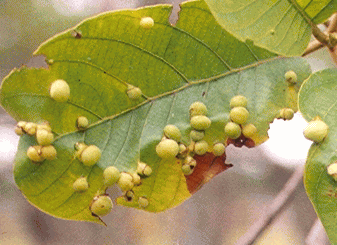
(101, 205)
(30, 128)
(332, 170)
(144, 169)
(44, 137)
(82, 123)
(110, 175)
(291, 77)
(316, 131)
(59, 91)
(239, 115)
(198, 108)
(143, 202)
(134, 93)
(48, 152)
(200, 122)
(238, 101)
(146, 22)
(197, 135)
(81, 184)
(219, 149)
(90, 155)
(167, 148)
(232, 130)
(125, 181)
(172, 132)
(249, 130)
(200, 147)
(34, 153)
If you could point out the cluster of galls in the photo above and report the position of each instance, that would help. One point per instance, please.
(102, 204)
(170, 145)
(44, 137)
(238, 130)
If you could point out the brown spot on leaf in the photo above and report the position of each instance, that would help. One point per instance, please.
(241, 141)
(76, 34)
(207, 167)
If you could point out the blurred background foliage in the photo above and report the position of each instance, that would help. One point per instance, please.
(219, 213)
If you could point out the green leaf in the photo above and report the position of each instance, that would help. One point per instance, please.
(281, 26)
(318, 98)
(174, 66)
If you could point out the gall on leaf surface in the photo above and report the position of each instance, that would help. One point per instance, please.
(317, 97)
(281, 26)
(174, 66)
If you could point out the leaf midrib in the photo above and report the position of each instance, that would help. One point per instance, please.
(191, 83)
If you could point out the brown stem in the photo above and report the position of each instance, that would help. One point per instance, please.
(333, 55)
(332, 27)
(322, 37)
(273, 209)
(312, 47)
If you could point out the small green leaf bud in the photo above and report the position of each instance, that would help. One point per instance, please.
(146, 22)
(232, 130)
(19, 129)
(144, 169)
(287, 113)
(238, 101)
(200, 147)
(200, 122)
(110, 175)
(186, 169)
(48, 152)
(30, 128)
(143, 202)
(239, 115)
(44, 137)
(219, 149)
(198, 108)
(101, 205)
(249, 130)
(332, 170)
(81, 184)
(136, 179)
(291, 77)
(316, 131)
(82, 123)
(172, 132)
(59, 91)
(134, 93)
(167, 148)
(197, 135)
(34, 154)
(90, 155)
(125, 181)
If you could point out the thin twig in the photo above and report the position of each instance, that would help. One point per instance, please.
(317, 235)
(317, 44)
(320, 35)
(273, 209)
(312, 47)
(332, 24)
